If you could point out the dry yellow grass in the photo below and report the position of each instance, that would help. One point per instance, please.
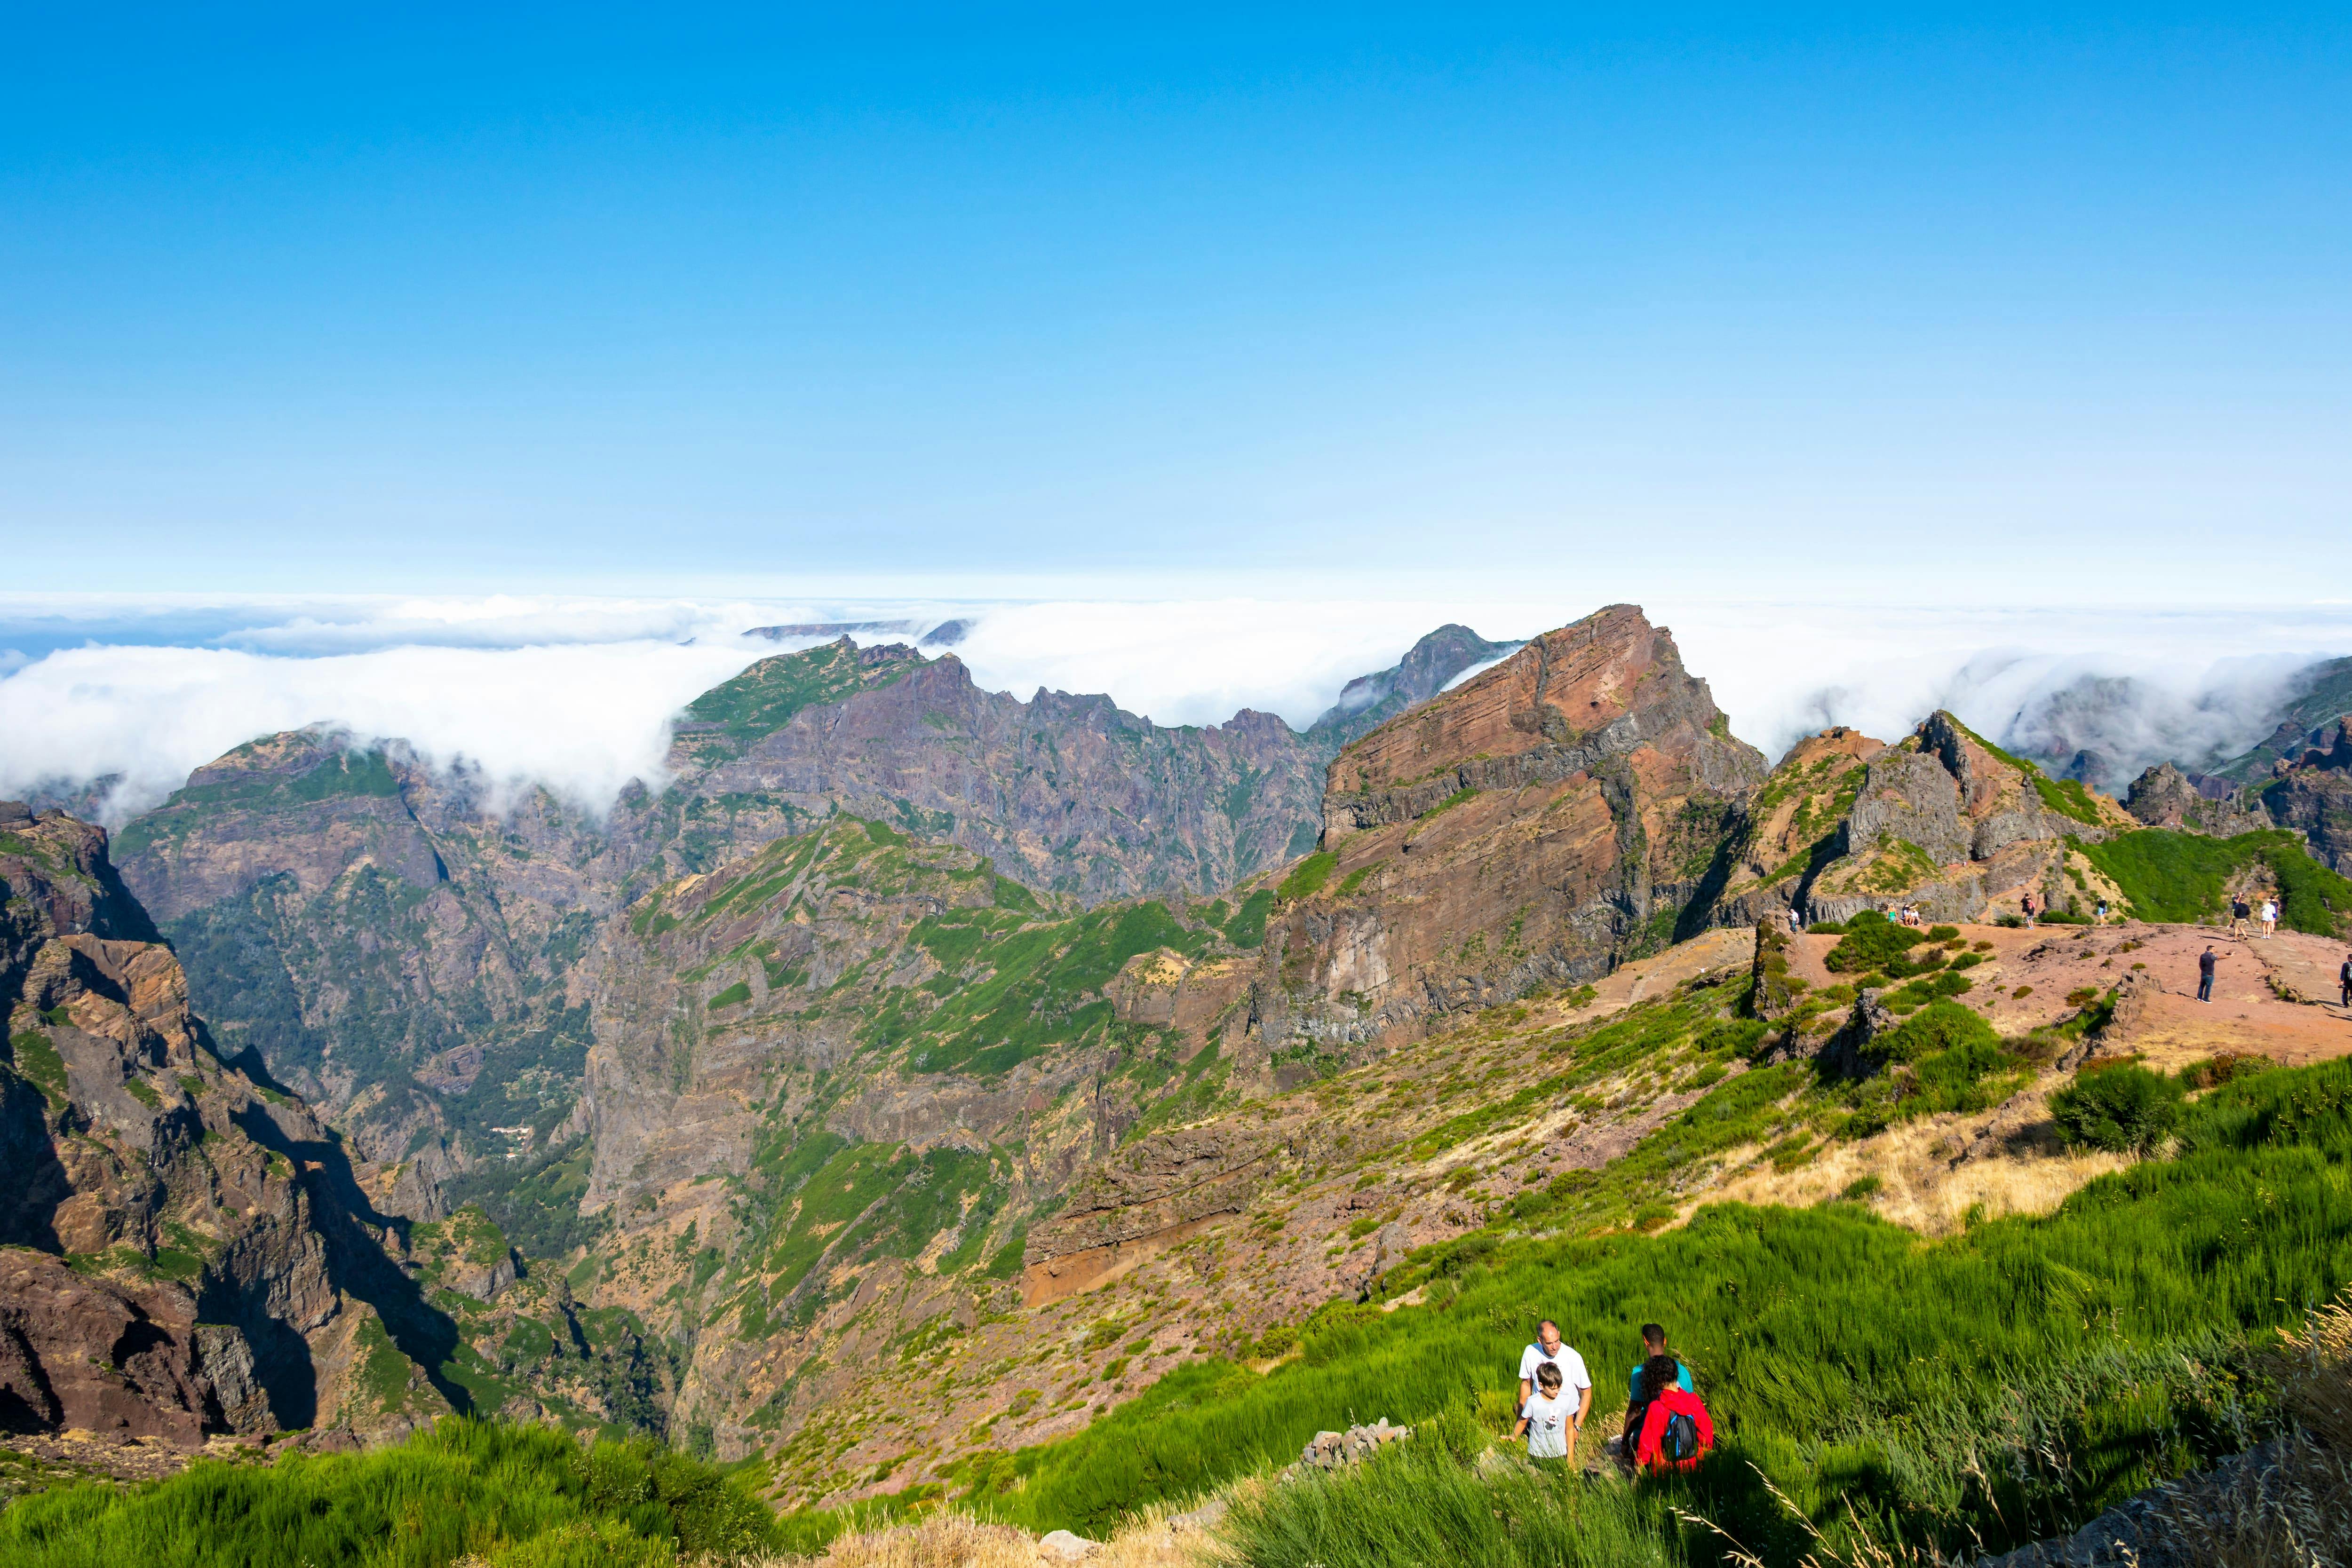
(1921, 1189)
(2297, 1510)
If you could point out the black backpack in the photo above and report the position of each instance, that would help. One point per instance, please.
(1679, 1441)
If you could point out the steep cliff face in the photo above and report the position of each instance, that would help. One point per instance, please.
(1536, 826)
(189, 1251)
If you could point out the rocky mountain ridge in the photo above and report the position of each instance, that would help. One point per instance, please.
(401, 944)
(830, 1081)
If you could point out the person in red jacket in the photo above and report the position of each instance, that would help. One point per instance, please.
(1677, 1431)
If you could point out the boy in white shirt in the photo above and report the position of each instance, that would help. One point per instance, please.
(1549, 1422)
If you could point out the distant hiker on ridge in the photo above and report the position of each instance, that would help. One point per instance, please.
(2344, 979)
(2026, 904)
(2205, 962)
(2270, 918)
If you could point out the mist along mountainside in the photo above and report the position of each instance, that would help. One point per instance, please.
(1144, 1191)
(404, 945)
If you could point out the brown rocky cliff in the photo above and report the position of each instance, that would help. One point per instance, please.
(1535, 826)
(152, 1186)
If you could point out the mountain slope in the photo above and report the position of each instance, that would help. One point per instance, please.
(402, 944)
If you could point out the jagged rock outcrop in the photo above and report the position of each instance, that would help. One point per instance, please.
(1535, 826)
(183, 1242)
(1940, 819)
(2311, 792)
(2165, 797)
(1369, 702)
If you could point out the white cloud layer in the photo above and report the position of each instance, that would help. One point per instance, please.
(580, 693)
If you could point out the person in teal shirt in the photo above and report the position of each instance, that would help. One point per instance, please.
(1654, 1342)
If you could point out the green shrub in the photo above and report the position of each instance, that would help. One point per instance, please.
(1870, 942)
(2125, 1109)
(1308, 877)
(733, 996)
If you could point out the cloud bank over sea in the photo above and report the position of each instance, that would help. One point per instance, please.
(579, 694)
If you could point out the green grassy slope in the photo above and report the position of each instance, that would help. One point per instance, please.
(514, 1497)
(2074, 1358)
(2171, 876)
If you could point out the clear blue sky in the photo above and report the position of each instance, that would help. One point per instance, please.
(325, 299)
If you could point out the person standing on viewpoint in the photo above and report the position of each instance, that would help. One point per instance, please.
(2205, 962)
(1576, 1383)
(2238, 914)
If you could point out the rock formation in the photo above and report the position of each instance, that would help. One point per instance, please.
(1536, 826)
(186, 1250)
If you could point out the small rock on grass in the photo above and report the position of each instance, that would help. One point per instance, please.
(1060, 1546)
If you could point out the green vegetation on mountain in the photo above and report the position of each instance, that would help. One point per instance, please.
(1308, 877)
(508, 1497)
(1943, 1392)
(2067, 797)
(2175, 876)
(2327, 693)
(765, 697)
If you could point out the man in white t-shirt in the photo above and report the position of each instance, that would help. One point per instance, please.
(1575, 1383)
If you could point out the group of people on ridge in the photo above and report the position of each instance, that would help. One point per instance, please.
(1666, 1424)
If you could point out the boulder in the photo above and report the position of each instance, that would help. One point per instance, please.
(1060, 1546)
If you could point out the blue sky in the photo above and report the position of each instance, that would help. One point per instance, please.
(586, 298)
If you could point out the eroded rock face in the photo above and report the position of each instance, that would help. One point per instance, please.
(110, 1359)
(1535, 826)
(2164, 797)
(150, 1184)
(2312, 794)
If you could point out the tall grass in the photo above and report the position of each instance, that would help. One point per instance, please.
(1847, 1358)
(518, 1496)
(1421, 1505)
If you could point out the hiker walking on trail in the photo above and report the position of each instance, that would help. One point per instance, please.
(2238, 912)
(2205, 962)
(1548, 1420)
(2270, 918)
(2344, 979)
(2026, 904)
(1676, 1432)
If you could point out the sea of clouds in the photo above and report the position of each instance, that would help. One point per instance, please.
(580, 693)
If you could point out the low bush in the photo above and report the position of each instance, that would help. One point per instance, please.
(2125, 1109)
